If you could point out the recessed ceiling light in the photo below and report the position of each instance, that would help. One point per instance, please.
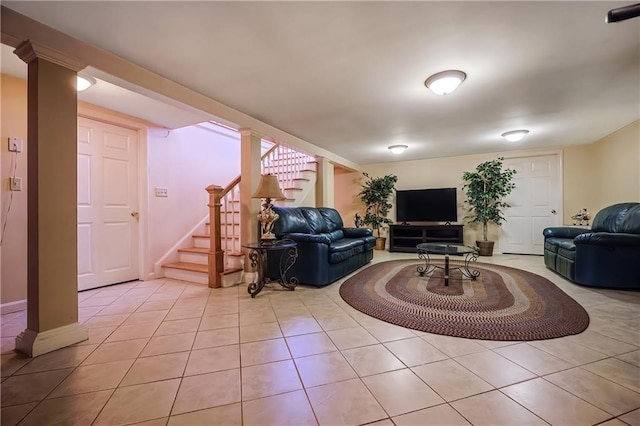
(398, 149)
(515, 135)
(445, 82)
(83, 82)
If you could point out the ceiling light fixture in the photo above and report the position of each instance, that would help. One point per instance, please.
(445, 82)
(515, 135)
(398, 149)
(83, 82)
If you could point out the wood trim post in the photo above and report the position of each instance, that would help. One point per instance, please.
(216, 255)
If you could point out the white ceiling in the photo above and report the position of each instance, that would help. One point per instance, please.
(348, 76)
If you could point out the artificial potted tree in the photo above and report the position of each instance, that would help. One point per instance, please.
(375, 196)
(486, 189)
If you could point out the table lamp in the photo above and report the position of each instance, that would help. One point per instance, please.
(268, 189)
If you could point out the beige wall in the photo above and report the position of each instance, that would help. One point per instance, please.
(594, 176)
(618, 170)
(13, 273)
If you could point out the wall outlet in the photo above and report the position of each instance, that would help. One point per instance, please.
(162, 192)
(15, 145)
(15, 183)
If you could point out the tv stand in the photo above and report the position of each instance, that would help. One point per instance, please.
(404, 238)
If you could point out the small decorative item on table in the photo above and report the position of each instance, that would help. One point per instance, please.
(258, 253)
(581, 218)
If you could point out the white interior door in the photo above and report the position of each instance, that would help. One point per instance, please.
(107, 204)
(536, 203)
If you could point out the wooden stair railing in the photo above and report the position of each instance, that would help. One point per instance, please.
(215, 261)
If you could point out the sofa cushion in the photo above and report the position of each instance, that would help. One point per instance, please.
(552, 244)
(332, 218)
(342, 250)
(567, 253)
(290, 221)
(336, 235)
(315, 221)
(631, 222)
(344, 244)
(610, 218)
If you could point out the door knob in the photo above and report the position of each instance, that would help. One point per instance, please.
(553, 212)
(135, 214)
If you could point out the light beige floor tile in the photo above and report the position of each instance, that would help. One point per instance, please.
(121, 308)
(12, 362)
(132, 332)
(220, 309)
(344, 403)
(291, 311)
(401, 392)
(370, 360)
(451, 380)
(613, 422)
(495, 409)
(335, 321)
(453, 346)
(631, 358)
(198, 392)
(259, 381)
(257, 316)
(116, 351)
(299, 325)
(601, 343)
(441, 415)
(219, 321)
(217, 337)
(97, 336)
(354, 337)
(415, 351)
(7, 345)
(623, 373)
(30, 387)
(214, 359)
(266, 331)
(139, 403)
(171, 343)
(388, 332)
(184, 313)
(71, 410)
(324, 368)
(70, 356)
(632, 418)
(178, 326)
(155, 368)
(494, 369)
(158, 305)
(493, 344)
(310, 344)
(533, 359)
(264, 351)
(385, 422)
(602, 393)
(268, 411)
(151, 317)
(105, 320)
(225, 415)
(93, 378)
(572, 353)
(11, 416)
(553, 404)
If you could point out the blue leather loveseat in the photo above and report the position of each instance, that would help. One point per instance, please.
(327, 250)
(607, 256)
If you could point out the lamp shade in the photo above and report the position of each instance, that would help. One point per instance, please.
(268, 188)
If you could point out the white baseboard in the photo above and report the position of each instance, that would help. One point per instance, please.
(18, 305)
(33, 343)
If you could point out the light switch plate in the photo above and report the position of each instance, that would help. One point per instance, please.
(15, 144)
(162, 192)
(15, 183)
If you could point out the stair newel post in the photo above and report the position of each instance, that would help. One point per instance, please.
(216, 255)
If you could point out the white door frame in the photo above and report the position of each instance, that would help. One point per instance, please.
(559, 162)
(145, 272)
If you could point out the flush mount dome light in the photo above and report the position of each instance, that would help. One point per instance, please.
(445, 82)
(515, 135)
(83, 82)
(398, 149)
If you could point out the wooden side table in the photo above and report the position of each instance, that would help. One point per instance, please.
(258, 254)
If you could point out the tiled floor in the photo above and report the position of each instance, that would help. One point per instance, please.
(167, 352)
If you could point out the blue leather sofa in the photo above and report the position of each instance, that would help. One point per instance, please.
(607, 255)
(327, 250)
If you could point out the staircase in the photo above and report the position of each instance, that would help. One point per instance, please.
(296, 174)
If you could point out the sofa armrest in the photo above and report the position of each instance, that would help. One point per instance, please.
(564, 232)
(617, 239)
(309, 238)
(357, 232)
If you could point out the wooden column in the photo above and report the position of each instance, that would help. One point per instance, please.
(216, 255)
(52, 260)
(251, 145)
(324, 182)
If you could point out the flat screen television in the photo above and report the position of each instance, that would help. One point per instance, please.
(427, 205)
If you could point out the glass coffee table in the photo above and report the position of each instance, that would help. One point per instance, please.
(446, 249)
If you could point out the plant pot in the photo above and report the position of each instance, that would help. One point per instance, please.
(486, 248)
(380, 243)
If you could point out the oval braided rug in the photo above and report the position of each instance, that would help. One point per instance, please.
(502, 304)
